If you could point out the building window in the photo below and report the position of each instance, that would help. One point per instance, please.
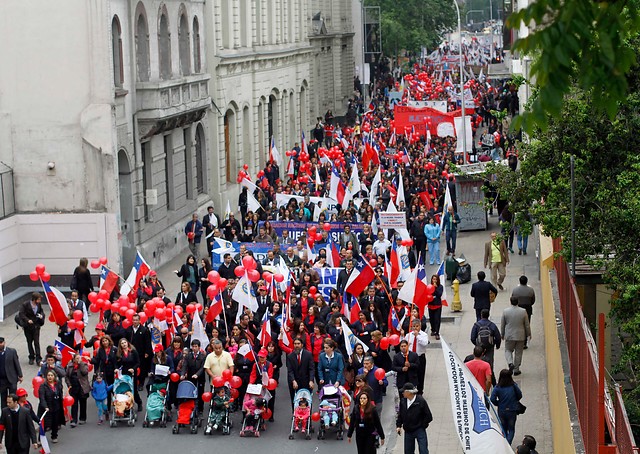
(188, 162)
(183, 46)
(164, 48)
(147, 177)
(169, 185)
(200, 147)
(197, 59)
(116, 44)
(142, 48)
(227, 24)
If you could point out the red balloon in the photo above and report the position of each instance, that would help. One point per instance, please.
(206, 397)
(40, 269)
(143, 317)
(254, 275)
(379, 374)
(278, 277)
(93, 296)
(227, 374)
(384, 343)
(126, 323)
(326, 227)
(105, 296)
(313, 229)
(103, 260)
(315, 416)
(235, 382)
(248, 262)
(394, 340)
(239, 271)
(78, 315)
(234, 394)
(80, 325)
(318, 236)
(267, 276)
(211, 291)
(96, 345)
(37, 381)
(130, 313)
(373, 263)
(151, 305)
(198, 307)
(222, 284)
(71, 324)
(94, 308)
(245, 167)
(95, 264)
(122, 310)
(213, 276)
(68, 401)
(174, 377)
(168, 314)
(430, 289)
(191, 308)
(33, 276)
(45, 277)
(272, 384)
(159, 314)
(267, 414)
(312, 290)
(218, 382)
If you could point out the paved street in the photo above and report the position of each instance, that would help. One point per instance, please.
(442, 439)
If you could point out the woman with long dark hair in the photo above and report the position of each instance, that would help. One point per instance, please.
(203, 274)
(81, 281)
(435, 307)
(506, 396)
(365, 422)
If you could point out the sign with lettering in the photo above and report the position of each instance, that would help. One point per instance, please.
(393, 220)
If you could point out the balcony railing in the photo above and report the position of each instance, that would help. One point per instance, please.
(165, 99)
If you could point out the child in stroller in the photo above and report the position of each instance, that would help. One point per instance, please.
(253, 408)
(301, 420)
(332, 410)
(122, 402)
(219, 412)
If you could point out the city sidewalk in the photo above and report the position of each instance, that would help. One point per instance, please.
(536, 421)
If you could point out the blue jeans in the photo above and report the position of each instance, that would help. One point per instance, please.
(523, 242)
(434, 252)
(410, 439)
(450, 236)
(508, 422)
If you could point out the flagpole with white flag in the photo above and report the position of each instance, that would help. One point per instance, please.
(375, 184)
(252, 203)
(445, 207)
(350, 340)
(477, 430)
(227, 212)
(198, 331)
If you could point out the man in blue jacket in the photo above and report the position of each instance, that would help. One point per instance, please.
(194, 230)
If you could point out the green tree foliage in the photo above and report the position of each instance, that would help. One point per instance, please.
(413, 24)
(582, 41)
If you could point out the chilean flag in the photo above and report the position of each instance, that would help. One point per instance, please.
(333, 254)
(337, 189)
(139, 270)
(291, 168)
(414, 290)
(66, 353)
(361, 276)
(108, 279)
(285, 320)
(247, 352)
(57, 302)
(43, 437)
(350, 307)
(215, 309)
(443, 281)
(395, 265)
(265, 332)
(274, 154)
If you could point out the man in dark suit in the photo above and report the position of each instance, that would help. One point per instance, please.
(405, 364)
(414, 416)
(480, 294)
(10, 371)
(264, 303)
(32, 319)
(140, 338)
(300, 369)
(210, 221)
(16, 424)
(344, 275)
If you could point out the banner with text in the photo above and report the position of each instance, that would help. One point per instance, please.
(297, 229)
(393, 220)
(438, 105)
(418, 117)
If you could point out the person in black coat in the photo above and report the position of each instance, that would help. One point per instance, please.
(140, 337)
(344, 275)
(12, 370)
(105, 362)
(51, 395)
(128, 360)
(405, 364)
(365, 422)
(414, 416)
(31, 318)
(480, 294)
(189, 272)
(194, 370)
(186, 296)
(81, 281)
(115, 330)
(18, 427)
(300, 369)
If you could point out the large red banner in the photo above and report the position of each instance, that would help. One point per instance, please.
(405, 117)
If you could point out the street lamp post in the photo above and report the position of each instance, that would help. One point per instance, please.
(464, 125)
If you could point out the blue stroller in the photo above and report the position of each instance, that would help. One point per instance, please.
(187, 397)
(122, 408)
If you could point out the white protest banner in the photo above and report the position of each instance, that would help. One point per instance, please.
(389, 220)
(324, 202)
(438, 105)
(477, 430)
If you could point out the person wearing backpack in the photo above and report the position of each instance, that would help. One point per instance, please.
(486, 334)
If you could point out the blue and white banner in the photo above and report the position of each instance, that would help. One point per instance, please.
(477, 430)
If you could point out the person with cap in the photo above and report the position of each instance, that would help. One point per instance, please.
(414, 416)
(16, 428)
(22, 400)
(10, 371)
(262, 371)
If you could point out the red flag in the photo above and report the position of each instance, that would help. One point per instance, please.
(426, 200)
(57, 302)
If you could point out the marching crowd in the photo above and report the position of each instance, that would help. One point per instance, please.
(314, 339)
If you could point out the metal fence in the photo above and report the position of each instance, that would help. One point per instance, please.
(7, 195)
(583, 358)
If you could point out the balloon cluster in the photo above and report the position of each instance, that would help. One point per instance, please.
(39, 273)
(36, 383)
(218, 284)
(77, 321)
(335, 154)
(157, 308)
(242, 174)
(407, 242)
(95, 264)
(248, 266)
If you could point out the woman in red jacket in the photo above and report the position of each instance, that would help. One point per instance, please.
(315, 343)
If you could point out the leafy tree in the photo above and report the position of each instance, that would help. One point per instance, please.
(413, 24)
(586, 42)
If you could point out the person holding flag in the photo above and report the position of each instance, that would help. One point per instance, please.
(16, 427)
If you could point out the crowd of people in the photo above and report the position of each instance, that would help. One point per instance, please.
(310, 345)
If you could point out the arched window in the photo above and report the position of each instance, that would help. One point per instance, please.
(164, 47)
(197, 59)
(116, 44)
(142, 48)
(184, 46)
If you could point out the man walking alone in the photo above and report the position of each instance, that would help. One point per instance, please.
(414, 417)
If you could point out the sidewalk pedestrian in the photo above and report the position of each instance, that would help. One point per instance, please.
(10, 371)
(414, 416)
(496, 257)
(32, 319)
(515, 330)
(480, 294)
(480, 368)
(486, 334)
(194, 230)
(506, 396)
(450, 224)
(16, 427)
(526, 297)
(435, 307)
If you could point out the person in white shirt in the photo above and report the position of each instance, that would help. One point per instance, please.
(382, 244)
(418, 342)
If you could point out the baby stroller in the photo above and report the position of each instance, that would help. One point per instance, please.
(253, 408)
(187, 396)
(305, 396)
(225, 424)
(332, 409)
(122, 402)
(156, 412)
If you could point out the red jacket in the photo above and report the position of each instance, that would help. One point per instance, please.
(254, 377)
(315, 345)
